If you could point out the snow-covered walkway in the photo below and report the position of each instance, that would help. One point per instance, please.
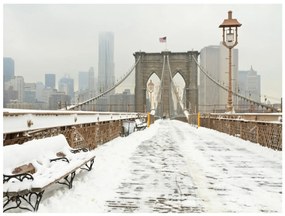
(174, 167)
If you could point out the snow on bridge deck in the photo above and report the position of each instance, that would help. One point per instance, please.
(174, 167)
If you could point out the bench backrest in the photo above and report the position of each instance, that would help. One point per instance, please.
(17, 155)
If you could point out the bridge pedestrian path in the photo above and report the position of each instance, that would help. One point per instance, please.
(175, 167)
(184, 169)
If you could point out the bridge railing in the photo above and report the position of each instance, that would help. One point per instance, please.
(82, 129)
(265, 129)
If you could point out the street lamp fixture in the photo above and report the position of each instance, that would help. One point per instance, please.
(150, 88)
(230, 40)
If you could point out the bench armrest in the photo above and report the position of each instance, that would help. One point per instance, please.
(19, 177)
(74, 151)
(59, 158)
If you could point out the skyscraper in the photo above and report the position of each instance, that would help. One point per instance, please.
(8, 69)
(91, 81)
(66, 85)
(249, 84)
(208, 91)
(15, 84)
(106, 76)
(83, 81)
(50, 81)
(214, 60)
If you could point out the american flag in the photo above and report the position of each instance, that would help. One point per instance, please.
(162, 39)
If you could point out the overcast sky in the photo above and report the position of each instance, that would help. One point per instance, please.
(63, 39)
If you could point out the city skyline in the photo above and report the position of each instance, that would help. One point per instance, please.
(53, 40)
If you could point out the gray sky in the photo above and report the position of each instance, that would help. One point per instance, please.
(63, 39)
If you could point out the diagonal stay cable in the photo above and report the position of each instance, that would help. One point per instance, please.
(174, 86)
(158, 96)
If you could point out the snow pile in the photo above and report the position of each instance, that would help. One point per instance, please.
(48, 148)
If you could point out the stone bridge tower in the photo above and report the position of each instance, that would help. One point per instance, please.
(152, 63)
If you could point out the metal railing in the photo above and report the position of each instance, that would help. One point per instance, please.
(265, 129)
(27, 120)
(81, 128)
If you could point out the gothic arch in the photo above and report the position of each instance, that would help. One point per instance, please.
(150, 63)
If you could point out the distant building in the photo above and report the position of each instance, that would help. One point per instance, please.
(249, 85)
(50, 81)
(214, 60)
(86, 85)
(19, 105)
(39, 91)
(209, 91)
(8, 69)
(15, 84)
(25, 105)
(102, 104)
(66, 85)
(123, 102)
(9, 95)
(30, 93)
(106, 76)
(58, 100)
(91, 81)
(46, 93)
(83, 81)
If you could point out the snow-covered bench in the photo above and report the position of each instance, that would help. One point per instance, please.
(131, 126)
(128, 127)
(140, 124)
(29, 168)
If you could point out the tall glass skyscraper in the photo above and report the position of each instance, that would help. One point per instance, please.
(249, 85)
(66, 85)
(50, 81)
(8, 69)
(83, 80)
(214, 60)
(106, 76)
(91, 81)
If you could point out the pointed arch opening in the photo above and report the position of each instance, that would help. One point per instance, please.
(152, 91)
(178, 93)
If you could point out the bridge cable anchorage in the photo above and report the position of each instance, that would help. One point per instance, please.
(234, 93)
(174, 89)
(107, 91)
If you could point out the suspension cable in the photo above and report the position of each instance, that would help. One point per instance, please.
(185, 111)
(173, 85)
(107, 91)
(234, 93)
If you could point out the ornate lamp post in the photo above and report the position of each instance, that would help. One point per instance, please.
(150, 88)
(230, 40)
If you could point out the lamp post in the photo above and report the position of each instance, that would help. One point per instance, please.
(150, 87)
(230, 40)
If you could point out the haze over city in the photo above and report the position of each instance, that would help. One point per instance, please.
(63, 38)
